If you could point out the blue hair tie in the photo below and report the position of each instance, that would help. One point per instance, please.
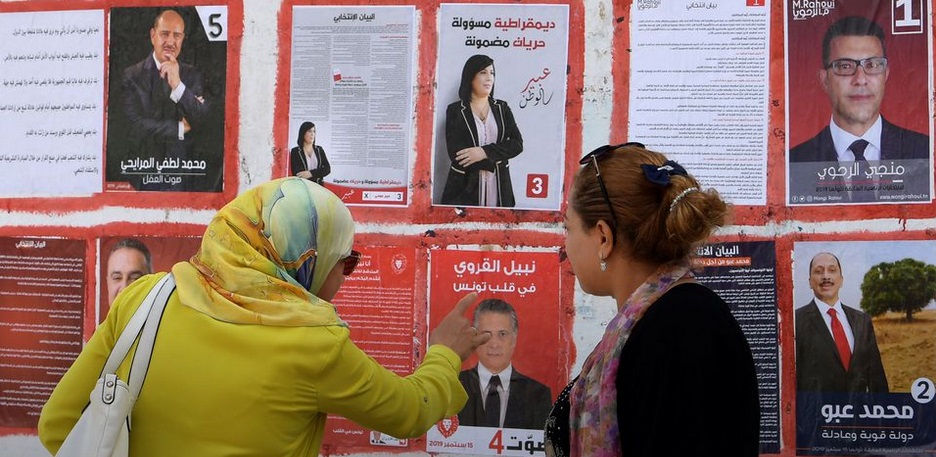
(661, 175)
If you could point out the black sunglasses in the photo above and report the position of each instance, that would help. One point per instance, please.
(350, 262)
(593, 157)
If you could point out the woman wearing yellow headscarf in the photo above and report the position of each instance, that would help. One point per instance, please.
(250, 355)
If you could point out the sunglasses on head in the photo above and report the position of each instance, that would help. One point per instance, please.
(350, 262)
(593, 157)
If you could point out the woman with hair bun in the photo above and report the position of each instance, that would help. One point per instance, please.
(673, 355)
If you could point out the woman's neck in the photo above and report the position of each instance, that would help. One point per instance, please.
(635, 273)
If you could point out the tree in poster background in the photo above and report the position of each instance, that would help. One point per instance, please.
(204, 47)
(905, 286)
(901, 421)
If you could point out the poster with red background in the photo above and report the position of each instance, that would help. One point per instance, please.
(529, 282)
(42, 292)
(165, 252)
(377, 302)
(906, 100)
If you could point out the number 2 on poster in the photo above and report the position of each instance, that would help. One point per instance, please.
(922, 390)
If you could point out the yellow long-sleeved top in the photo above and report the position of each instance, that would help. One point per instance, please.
(216, 388)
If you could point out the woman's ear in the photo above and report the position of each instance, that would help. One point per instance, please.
(605, 239)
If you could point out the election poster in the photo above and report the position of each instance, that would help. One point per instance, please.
(865, 328)
(500, 106)
(518, 303)
(51, 103)
(167, 74)
(351, 82)
(859, 85)
(744, 275)
(378, 303)
(699, 89)
(124, 259)
(42, 291)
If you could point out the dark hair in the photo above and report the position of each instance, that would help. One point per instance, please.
(305, 127)
(659, 223)
(473, 65)
(813, 259)
(851, 26)
(495, 305)
(133, 243)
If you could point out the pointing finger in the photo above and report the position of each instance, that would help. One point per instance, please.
(464, 303)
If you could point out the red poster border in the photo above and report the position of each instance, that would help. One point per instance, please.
(148, 200)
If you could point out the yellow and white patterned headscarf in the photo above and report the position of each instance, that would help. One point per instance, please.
(247, 267)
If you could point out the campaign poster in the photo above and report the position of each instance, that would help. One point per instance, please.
(352, 75)
(377, 302)
(859, 91)
(510, 151)
(699, 89)
(167, 74)
(865, 329)
(42, 291)
(518, 303)
(124, 259)
(51, 103)
(744, 275)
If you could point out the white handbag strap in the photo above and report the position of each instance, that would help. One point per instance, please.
(134, 326)
(141, 358)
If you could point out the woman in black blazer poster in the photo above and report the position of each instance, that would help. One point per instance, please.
(307, 160)
(481, 137)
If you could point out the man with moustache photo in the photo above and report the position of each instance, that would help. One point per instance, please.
(836, 349)
(164, 100)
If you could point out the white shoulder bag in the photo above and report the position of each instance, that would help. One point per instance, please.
(103, 430)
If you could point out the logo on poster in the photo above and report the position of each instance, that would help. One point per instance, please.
(647, 4)
(448, 426)
(805, 9)
(398, 263)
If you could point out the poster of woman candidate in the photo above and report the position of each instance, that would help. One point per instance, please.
(500, 106)
(166, 99)
(864, 318)
(859, 89)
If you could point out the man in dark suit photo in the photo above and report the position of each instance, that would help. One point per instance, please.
(836, 349)
(498, 394)
(163, 131)
(855, 70)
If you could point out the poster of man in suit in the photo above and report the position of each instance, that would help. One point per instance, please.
(862, 311)
(859, 127)
(513, 379)
(165, 111)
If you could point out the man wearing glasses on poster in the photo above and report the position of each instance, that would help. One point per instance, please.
(854, 74)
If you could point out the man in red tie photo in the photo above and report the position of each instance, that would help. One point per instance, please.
(836, 350)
